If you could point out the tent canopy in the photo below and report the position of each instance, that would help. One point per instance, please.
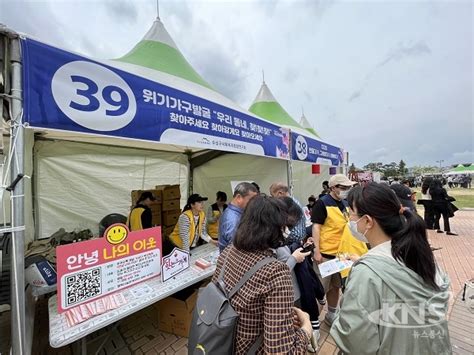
(307, 126)
(305, 145)
(462, 169)
(158, 51)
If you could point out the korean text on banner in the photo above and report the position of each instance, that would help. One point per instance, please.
(314, 151)
(68, 92)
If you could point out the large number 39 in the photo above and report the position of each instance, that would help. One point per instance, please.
(113, 95)
(301, 147)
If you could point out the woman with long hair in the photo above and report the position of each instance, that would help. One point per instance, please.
(265, 302)
(395, 293)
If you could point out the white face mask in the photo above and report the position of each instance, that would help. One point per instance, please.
(343, 194)
(286, 233)
(358, 235)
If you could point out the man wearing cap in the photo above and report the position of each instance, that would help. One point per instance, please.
(330, 217)
(140, 215)
(230, 219)
(191, 226)
(404, 194)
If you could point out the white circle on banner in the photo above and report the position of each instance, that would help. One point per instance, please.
(301, 147)
(93, 96)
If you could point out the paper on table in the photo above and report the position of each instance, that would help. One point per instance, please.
(332, 266)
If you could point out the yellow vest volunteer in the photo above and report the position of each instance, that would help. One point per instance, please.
(175, 236)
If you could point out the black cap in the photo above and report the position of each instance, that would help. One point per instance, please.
(145, 195)
(404, 194)
(196, 198)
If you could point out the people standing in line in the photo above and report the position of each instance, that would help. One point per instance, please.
(326, 189)
(229, 221)
(427, 203)
(398, 276)
(330, 217)
(298, 231)
(214, 213)
(439, 198)
(191, 227)
(265, 302)
(140, 216)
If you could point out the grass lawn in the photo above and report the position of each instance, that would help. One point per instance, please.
(464, 197)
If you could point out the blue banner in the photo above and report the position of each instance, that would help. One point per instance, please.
(313, 151)
(68, 92)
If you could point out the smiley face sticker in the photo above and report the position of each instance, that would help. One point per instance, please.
(116, 233)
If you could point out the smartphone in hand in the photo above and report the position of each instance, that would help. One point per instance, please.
(308, 247)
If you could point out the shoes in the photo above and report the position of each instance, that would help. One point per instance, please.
(329, 319)
(439, 231)
(451, 233)
(313, 345)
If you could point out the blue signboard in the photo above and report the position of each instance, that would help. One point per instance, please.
(314, 151)
(68, 92)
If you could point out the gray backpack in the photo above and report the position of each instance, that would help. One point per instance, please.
(214, 322)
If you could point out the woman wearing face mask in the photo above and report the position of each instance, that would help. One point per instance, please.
(395, 292)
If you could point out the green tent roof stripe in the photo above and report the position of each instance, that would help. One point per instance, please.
(164, 58)
(312, 131)
(464, 168)
(273, 112)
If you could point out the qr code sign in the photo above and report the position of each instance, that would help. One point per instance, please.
(83, 286)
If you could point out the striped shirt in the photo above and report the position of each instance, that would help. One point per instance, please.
(184, 231)
(264, 304)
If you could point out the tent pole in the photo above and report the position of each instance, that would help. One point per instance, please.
(17, 207)
(289, 165)
(189, 154)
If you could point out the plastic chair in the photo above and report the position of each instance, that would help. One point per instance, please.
(110, 219)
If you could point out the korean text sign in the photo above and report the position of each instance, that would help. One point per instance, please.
(92, 269)
(68, 92)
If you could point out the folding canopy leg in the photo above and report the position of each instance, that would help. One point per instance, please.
(18, 329)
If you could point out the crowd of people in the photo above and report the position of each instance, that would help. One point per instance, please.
(452, 181)
(369, 307)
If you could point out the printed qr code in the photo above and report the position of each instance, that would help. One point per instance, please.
(83, 286)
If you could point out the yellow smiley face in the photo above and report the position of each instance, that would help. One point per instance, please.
(116, 233)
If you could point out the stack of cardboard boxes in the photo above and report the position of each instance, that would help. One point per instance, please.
(165, 209)
(171, 207)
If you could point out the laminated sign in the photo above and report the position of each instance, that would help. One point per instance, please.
(174, 263)
(92, 269)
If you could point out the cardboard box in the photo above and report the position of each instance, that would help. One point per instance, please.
(156, 219)
(167, 230)
(155, 208)
(175, 312)
(170, 192)
(170, 218)
(135, 194)
(170, 205)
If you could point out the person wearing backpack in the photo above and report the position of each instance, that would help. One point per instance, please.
(259, 288)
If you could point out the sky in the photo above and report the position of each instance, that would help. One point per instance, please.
(385, 80)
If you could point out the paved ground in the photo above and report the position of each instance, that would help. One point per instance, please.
(138, 334)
